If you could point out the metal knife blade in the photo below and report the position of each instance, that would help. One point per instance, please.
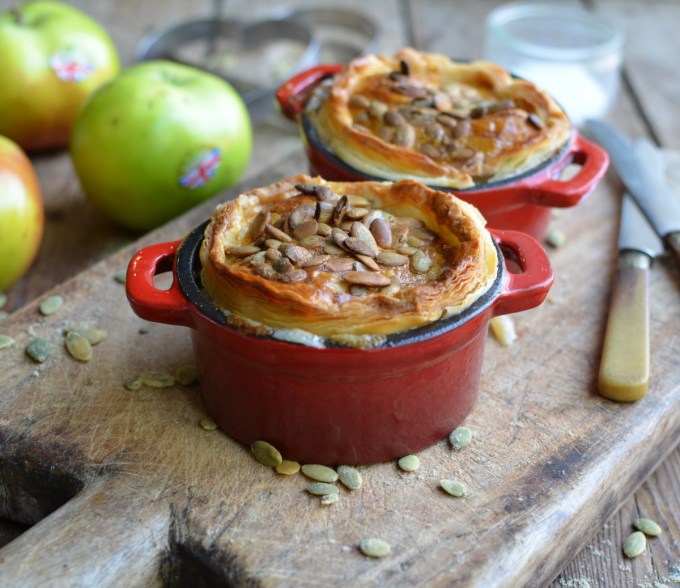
(624, 367)
(654, 199)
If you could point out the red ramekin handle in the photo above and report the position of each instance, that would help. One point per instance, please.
(148, 302)
(529, 287)
(293, 94)
(564, 193)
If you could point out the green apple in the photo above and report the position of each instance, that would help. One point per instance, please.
(158, 139)
(21, 213)
(52, 56)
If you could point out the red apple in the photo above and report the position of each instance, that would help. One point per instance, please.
(52, 56)
(21, 213)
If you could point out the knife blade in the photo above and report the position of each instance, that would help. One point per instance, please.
(624, 366)
(649, 192)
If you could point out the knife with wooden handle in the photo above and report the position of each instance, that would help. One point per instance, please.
(648, 190)
(624, 367)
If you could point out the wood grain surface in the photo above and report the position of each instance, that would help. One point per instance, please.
(102, 486)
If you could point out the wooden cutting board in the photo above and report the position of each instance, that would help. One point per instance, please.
(126, 489)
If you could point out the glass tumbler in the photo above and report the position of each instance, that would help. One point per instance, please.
(567, 51)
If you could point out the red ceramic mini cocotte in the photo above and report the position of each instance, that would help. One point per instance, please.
(522, 202)
(336, 405)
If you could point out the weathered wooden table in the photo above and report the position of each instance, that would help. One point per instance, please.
(101, 486)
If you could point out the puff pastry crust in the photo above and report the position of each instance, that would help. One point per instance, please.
(341, 260)
(425, 117)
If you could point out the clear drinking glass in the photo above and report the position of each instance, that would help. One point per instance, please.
(569, 52)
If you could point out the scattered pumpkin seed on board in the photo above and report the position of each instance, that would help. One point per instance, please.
(38, 349)
(328, 499)
(555, 238)
(186, 375)
(350, 477)
(460, 437)
(648, 527)
(120, 276)
(207, 424)
(133, 383)
(288, 467)
(409, 463)
(157, 379)
(50, 305)
(6, 341)
(320, 473)
(266, 454)
(321, 488)
(635, 544)
(374, 547)
(78, 346)
(456, 489)
(95, 336)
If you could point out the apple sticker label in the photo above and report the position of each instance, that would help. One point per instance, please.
(200, 168)
(71, 66)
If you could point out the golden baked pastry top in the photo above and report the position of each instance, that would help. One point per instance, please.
(350, 262)
(423, 116)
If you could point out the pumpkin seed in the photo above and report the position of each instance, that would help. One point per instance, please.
(339, 210)
(265, 271)
(273, 243)
(391, 259)
(38, 349)
(282, 265)
(535, 121)
(394, 118)
(350, 477)
(6, 341)
(321, 488)
(355, 213)
(409, 463)
(315, 261)
(322, 193)
(50, 305)
(648, 527)
(407, 250)
(374, 547)
(333, 249)
(243, 250)
(294, 275)
(305, 229)
(299, 216)
(456, 489)
(313, 241)
(320, 473)
(361, 231)
(359, 101)
(328, 499)
(95, 336)
(382, 232)
(430, 150)
(120, 276)
(157, 379)
(266, 453)
(406, 136)
(368, 262)
(186, 375)
(460, 437)
(555, 238)
(442, 102)
(272, 254)
(370, 279)
(358, 246)
(78, 346)
(323, 230)
(635, 544)
(133, 383)
(278, 233)
(420, 262)
(257, 228)
(207, 424)
(339, 236)
(288, 467)
(377, 109)
(297, 254)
